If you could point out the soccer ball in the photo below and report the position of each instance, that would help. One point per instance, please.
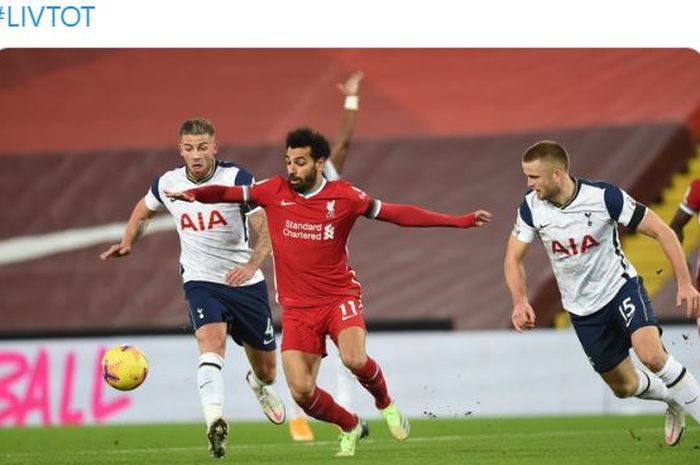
(124, 367)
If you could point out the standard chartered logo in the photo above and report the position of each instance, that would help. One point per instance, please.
(308, 231)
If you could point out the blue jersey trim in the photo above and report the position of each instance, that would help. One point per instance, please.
(226, 164)
(612, 196)
(154, 189)
(526, 213)
(613, 201)
(243, 178)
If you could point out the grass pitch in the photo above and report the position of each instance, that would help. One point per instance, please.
(633, 440)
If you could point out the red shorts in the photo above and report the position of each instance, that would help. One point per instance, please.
(305, 328)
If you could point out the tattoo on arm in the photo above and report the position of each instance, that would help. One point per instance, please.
(262, 246)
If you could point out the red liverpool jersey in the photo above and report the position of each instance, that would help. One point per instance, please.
(691, 201)
(309, 235)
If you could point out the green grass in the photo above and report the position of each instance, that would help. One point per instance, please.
(633, 440)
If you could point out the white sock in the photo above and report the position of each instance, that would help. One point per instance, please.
(650, 387)
(210, 381)
(682, 386)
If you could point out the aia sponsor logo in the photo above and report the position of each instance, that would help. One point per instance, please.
(199, 223)
(572, 247)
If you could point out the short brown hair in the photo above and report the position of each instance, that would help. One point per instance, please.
(548, 150)
(197, 127)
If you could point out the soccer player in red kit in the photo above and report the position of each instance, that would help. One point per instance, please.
(310, 219)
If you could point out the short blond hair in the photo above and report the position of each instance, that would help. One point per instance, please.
(548, 150)
(197, 127)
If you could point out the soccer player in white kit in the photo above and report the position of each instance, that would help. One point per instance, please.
(223, 284)
(576, 221)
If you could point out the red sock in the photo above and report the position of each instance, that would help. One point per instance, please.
(372, 378)
(322, 407)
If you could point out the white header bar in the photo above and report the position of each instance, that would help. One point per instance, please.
(362, 23)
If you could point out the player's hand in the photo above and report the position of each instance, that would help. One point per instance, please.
(351, 86)
(181, 195)
(689, 296)
(482, 217)
(116, 251)
(240, 274)
(523, 317)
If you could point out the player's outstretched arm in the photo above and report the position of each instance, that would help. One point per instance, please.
(351, 90)
(409, 215)
(211, 194)
(261, 250)
(136, 226)
(523, 316)
(654, 227)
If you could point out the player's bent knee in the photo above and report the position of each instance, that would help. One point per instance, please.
(623, 390)
(209, 343)
(654, 362)
(302, 392)
(211, 338)
(265, 372)
(354, 362)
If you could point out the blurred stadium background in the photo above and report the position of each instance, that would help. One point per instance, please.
(85, 131)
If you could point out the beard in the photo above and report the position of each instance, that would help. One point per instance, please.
(303, 184)
(550, 193)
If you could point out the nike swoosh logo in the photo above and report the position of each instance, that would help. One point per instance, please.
(542, 226)
(268, 341)
(284, 203)
(204, 384)
(691, 401)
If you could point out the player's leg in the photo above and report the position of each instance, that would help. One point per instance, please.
(682, 387)
(303, 346)
(646, 341)
(347, 329)
(211, 339)
(208, 314)
(260, 378)
(605, 337)
(250, 326)
(301, 371)
(636, 314)
(626, 380)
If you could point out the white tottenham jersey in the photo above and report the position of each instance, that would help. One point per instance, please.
(582, 242)
(213, 237)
